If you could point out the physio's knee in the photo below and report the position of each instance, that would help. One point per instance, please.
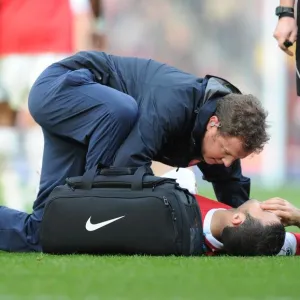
(126, 111)
(44, 90)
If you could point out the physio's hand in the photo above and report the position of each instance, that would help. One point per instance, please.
(286, 30)
(288, 213)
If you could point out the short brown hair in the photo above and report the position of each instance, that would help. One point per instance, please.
(252, 238)
(244, 117)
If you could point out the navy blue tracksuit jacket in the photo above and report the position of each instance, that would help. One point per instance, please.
(174, 109)
(122, 111)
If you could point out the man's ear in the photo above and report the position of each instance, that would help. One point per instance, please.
(238, 218)
(213, 122)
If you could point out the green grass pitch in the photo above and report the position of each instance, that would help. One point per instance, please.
(40, 276)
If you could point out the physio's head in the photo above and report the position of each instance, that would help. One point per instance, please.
(253, 231)
(237, 129)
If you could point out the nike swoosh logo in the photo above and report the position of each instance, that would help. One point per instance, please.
(92, 227)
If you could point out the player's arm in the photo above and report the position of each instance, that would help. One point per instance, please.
(287, 212)
(289, 215)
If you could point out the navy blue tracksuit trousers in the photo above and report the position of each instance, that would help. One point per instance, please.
(84, 123)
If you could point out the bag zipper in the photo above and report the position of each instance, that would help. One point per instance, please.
(153, 184)
(173, 215)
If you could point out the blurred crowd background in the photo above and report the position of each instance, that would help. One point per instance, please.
(222, 38)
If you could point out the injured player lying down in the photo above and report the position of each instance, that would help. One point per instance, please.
(248, 230)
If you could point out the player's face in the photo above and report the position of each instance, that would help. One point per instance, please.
(219, 149)
(253, 208)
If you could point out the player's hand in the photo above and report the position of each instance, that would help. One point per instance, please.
(286, 30)
(288, 213)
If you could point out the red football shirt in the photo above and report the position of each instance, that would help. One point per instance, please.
(35, 26)
(207, 208)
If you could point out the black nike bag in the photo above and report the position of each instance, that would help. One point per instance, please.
(122, 211)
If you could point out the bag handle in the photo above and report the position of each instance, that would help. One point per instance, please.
(134, 175)
(88, 178)
(137, 178)
(114, 171)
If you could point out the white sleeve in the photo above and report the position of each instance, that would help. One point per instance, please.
(185, 178)
(289, 246)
